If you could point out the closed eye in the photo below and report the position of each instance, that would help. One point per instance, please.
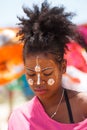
(48, 74)
(30, 72)
(33, 74)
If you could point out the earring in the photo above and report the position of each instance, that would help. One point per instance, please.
(50, 81)
(30, 81)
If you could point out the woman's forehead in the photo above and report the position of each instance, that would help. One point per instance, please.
(39, 59)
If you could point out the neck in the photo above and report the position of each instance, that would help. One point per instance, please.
(50, 103)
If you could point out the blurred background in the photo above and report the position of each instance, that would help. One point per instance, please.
(14, 89)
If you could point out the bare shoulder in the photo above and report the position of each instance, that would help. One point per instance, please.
(82, 96)
(83, 102)
(78, 97)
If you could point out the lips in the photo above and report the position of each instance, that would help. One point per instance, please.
(40, 89)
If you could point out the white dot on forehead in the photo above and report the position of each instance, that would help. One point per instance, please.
(37, 68)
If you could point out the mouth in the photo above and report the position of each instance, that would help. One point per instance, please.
(40, 90)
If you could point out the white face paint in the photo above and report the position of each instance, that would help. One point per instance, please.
(38, 79)
(38, 69)
(30, 81)
(51, 81)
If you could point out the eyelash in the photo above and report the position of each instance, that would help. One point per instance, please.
(48, 74)
(45, 74)
(31, 75)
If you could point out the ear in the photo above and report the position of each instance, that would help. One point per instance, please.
(64, 64)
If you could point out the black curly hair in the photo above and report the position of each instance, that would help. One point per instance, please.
(46, 29)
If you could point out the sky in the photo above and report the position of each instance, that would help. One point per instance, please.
(10, 9)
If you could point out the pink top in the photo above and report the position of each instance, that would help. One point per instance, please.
(32, 116)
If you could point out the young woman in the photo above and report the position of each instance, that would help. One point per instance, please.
(45, 34)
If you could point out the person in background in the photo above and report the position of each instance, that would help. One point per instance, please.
(45, 33)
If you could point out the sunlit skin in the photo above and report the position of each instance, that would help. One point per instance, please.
(50, 95)
(49, 69)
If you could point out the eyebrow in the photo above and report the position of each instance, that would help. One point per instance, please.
(30, 69)
(47, 68)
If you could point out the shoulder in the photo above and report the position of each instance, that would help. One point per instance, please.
(78, 98)
(82, 96)
(24, 110)
(20, 118)
(83, 101)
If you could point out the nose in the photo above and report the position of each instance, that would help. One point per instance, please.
(38, 79)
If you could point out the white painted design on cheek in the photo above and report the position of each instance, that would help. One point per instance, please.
(30, 81)
(51, 81)
(38, 79)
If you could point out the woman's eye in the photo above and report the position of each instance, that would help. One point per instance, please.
(31, 74)
(47, 74)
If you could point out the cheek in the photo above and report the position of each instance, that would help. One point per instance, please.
(51, 81)
(30, 81)
(57, 77)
